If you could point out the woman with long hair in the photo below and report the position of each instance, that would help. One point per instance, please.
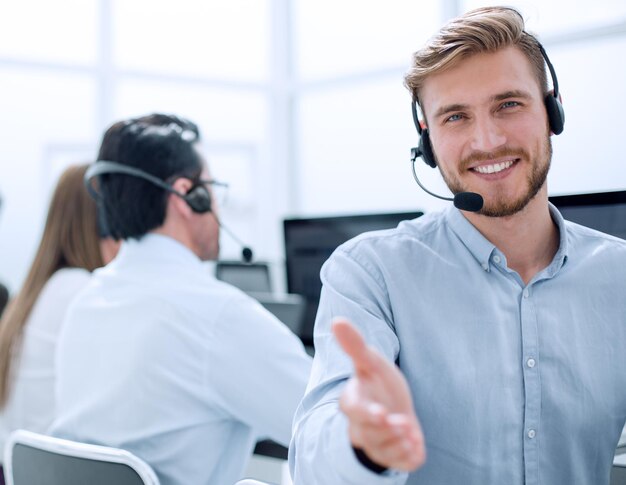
(70, 249)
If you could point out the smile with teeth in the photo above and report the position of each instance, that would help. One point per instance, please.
(494, 168)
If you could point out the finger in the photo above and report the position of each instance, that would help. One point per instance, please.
(358, 408)
(353, 344)
(371, 435)
(406, 426)
(406, 429)
(371, 425)
(402, 421)
(397, 442)
(401, 454)
(350, 339)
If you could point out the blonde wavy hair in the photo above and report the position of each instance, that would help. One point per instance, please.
(482, 30)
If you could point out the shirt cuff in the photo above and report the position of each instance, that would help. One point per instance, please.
(367, 462)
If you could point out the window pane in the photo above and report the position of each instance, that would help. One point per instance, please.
(43, 30)
(222, 114)
(589, 154)
(363, 166)
(340, 37)
(49, 118)
(555, 16)
(217, 39)
(233, 128)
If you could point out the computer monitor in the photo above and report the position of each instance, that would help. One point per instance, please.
(248, 277)
(308, 244)
(604, 211)
(288, 308)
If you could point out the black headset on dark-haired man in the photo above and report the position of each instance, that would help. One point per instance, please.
(198, 198)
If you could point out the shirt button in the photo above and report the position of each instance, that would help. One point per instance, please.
(485, 266)
(526, 293)
(531, 362)
(531, 433)
(496, 259)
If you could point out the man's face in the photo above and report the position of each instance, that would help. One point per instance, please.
(489, 129)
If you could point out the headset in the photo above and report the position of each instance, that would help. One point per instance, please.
(554, 107)
(198, 197)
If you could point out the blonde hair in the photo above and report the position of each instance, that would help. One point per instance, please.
(70, 240)
(486, 29)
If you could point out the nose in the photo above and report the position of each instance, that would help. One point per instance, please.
(487, 134)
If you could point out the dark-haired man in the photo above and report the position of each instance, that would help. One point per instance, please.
(508, 325)
(157, 356)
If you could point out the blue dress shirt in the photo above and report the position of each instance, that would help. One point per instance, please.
(513, 384)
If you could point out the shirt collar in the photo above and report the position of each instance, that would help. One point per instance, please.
(482, 249)
(562, 254)
(473, 240)
(153, 246)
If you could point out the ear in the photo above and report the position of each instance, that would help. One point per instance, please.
(176, 202)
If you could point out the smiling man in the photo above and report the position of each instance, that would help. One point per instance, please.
(507, 325)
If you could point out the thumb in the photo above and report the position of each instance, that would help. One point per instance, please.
(352, 343)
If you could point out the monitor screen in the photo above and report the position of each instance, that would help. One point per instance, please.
(308, 244)
(249, 277)
(604, 211)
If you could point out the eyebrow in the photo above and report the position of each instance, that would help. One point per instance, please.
(517, 93)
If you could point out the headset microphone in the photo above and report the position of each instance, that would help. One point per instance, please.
(466, 201)
(246, 251)
(198, 198)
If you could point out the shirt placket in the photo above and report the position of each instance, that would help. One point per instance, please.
(532, 385)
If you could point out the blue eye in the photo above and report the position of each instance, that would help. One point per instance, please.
(510, 104)
(454, 117)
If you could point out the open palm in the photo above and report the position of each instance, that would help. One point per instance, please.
(378, 404)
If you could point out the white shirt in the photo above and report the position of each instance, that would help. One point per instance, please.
(160, 358)
(31, 400)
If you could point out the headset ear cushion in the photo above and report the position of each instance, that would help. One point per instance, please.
(199, 199)
(556, 115)
(426, 149)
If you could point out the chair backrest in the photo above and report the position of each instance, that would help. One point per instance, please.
(4, 298)
(251, 481)
(36, 459)
(618, 473)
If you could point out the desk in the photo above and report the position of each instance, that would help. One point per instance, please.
(269, 463)
(270, 449)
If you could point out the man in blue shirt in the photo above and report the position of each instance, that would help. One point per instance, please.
(507, 325)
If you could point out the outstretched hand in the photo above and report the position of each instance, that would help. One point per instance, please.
(378, 404)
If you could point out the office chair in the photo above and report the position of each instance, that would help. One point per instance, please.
(251, 481)
(4, 298)
(36, 459)
(618, 473)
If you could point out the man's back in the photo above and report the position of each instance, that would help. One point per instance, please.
(159, 358)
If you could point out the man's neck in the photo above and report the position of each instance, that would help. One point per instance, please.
(177, 234)
(528, 239)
